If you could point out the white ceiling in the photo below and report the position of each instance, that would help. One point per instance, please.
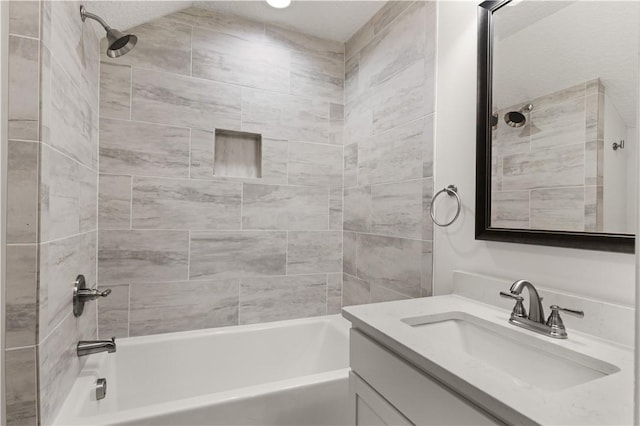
(333, 20)
(578, 42)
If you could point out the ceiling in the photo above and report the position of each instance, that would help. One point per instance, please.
(333, 20)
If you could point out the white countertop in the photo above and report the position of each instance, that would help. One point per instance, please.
(606, 400)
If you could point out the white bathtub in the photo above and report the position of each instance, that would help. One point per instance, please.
(281, 373)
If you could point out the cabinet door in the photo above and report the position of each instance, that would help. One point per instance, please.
(371, 409)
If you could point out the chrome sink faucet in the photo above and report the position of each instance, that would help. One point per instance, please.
(88, 347)
(534, 321)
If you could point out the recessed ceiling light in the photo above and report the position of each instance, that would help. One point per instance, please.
(279, 4)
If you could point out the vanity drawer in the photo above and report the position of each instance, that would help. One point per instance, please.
(412, 392)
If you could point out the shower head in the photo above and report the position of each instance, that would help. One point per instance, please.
(517, 118)
(118, 43)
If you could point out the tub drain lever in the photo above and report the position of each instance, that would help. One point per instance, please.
(82, 295)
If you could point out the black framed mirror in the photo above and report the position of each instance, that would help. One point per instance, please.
(549, 127)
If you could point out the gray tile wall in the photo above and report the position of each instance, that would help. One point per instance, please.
(549, 173)
(52, 198)
(388, 155)
(183, 248)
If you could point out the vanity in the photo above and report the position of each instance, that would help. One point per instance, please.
(456, 359)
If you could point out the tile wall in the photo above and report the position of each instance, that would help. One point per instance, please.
(52, 198)
(388, 155)
(548, 174)
(183, 248)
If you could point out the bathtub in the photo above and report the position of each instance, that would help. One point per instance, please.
(281, 373)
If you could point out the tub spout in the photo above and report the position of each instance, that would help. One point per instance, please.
(88, 347)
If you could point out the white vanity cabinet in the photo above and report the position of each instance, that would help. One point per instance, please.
(386, 390)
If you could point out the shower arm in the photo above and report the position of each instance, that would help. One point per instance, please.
(84, 15)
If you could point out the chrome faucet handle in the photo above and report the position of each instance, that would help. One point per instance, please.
(518, 309)
(574, 312)
(557, 328)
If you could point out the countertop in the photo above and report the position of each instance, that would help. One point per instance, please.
(606, 400)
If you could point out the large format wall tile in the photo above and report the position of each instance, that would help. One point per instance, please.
(334, 293)
(183, 306)
(230, 59)
(22, 192)
(349, 252)
(229, 254)
(315, 164)
(336, 123)
(357, 209)
(24, 18)
(113, 313)
(285, 207)
(558, 208)
(21, 295)
(229, 24)
(185, 204)
(510, 209)
(163, 45)
(142, 256)
(397, 209)
(394, 263)
(336, 207)
(351, 165)
(559, 124)
(355, 291)
(311, 252)
(303, 42)
(143, 149)
(115, 90)
(182, 101)
(317, 76)
(21, 387)
(280, 298)
(23, 88)
(114, 203)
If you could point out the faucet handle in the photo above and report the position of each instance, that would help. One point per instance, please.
(518, 309)
(574, 312)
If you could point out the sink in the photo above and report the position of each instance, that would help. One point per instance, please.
(527, 360)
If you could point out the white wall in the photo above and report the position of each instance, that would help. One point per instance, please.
(602, 275)
(631, 146)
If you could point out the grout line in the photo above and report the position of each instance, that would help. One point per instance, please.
(129, 311)
(130, 93)
(189, 257)
(190, 150)
(131, 205)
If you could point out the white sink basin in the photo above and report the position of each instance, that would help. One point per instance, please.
(529, 361)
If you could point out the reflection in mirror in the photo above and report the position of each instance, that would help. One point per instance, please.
(564, 86)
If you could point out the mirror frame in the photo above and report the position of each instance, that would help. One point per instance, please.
(621, 243)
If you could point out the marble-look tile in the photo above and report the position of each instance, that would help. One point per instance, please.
(24, 18)
(22, 192)
(394, 263)
(390, 11)
(143, 149)
(400, 99)
(237, 155)
(558, 209)
(163, 45)
(395, 155)
(280, 298)
(358, 40)
(202, 152)
(142, 256)
(224, 23)
(594, 163)
(88, 199)
(593, 208)
(509, 140)
(23, 107)
(335, 208)
(395, 48)
(426, 281)
(594, 113)
(355, 291)
(349, 252)
(334, 293)
(185, 204)
(228, 254)
(427, 197)
(113, 313)
(282, 116)
(115, 91)
(351, 165)
(73, 124)
(21, 295)
(275, 153)
(114, 202)
(593, 87)
(510, 209)
(428, 142)
(183, 101)
(297, 41)
(315, 164)
(182, 306)
(383, 294)
(358, 119)
(285, 207)
(396, 209)
(357, 209)
(559, 124)
(336, 124)
(21, 387)
(317, 76)
(560, 96)
(563, 166)
(314, 252)
(231, 59)
(352, 79)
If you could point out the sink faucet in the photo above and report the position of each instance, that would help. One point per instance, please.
(88, 347)
(536, 311)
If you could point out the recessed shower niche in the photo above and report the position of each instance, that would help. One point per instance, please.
(237, 154)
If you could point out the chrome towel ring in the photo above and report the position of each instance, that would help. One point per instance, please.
(452, 191)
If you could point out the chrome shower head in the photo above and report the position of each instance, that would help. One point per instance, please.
(118, 43)
(517, 118)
